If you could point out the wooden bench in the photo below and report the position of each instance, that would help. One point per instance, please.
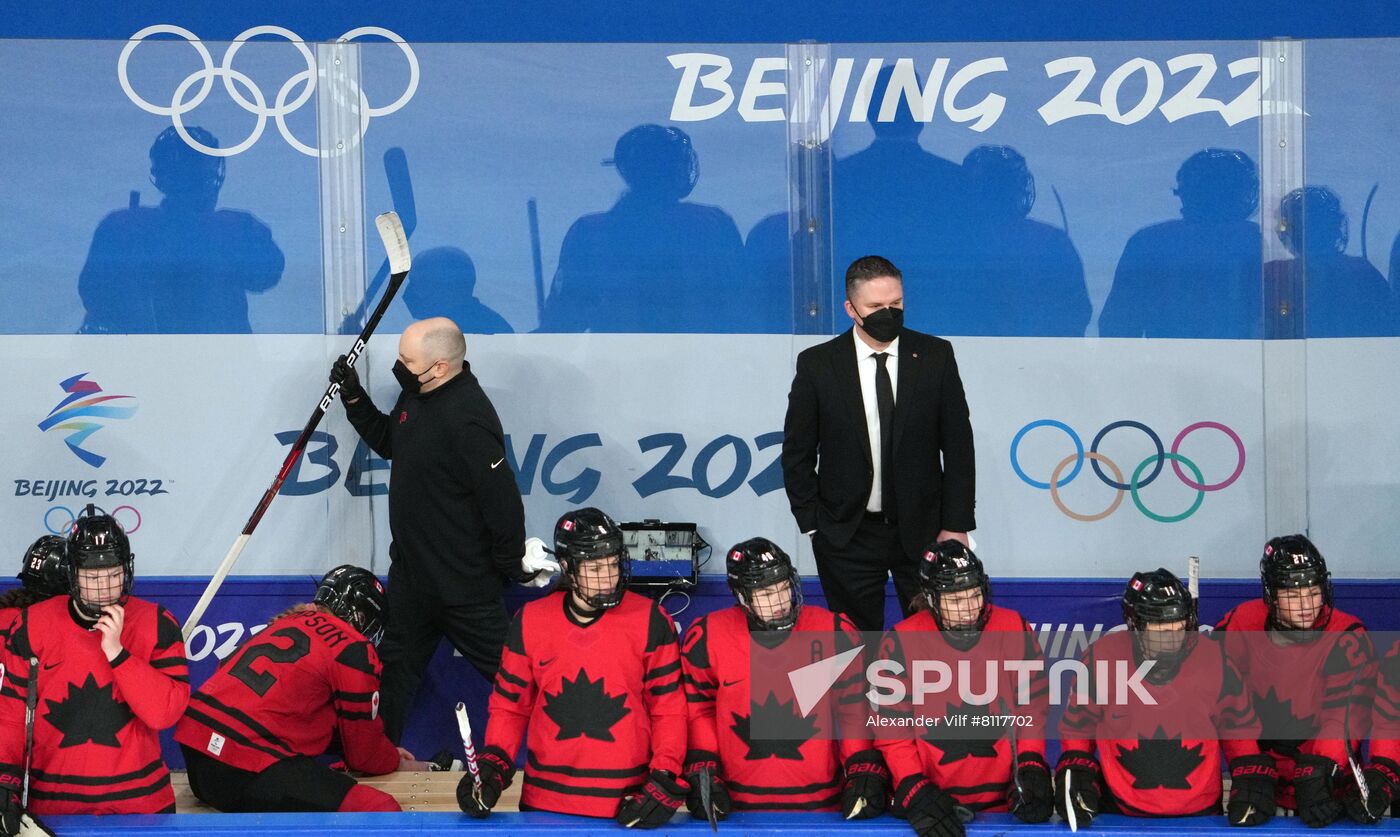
(415, 791)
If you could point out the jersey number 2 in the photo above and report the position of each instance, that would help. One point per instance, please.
(260, 681)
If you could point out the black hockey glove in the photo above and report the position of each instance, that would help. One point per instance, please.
(1382, 780)
(1078, 782)
(653, 805)
(702, 767)
(930, 810)
(867, 791)
(1314, 792)
(344, 374)
(496, 772)
(1032, 796)
(10, 812)
(1253, 781)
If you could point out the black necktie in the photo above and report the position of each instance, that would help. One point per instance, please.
(884, 402)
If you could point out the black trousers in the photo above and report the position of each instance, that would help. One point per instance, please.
(853, 577)
(418, 620)
(295, 784)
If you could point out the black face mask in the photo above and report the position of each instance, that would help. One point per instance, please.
(407, 379)
(883, 324)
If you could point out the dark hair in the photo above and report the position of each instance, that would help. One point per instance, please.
(866, 268)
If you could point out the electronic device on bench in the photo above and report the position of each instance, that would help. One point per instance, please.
(663, 554)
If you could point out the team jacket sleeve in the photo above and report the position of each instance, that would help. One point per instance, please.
(513, 696)
(901, 751)
(701, 683)
(959, 464)
(355, 694)
(1079, 725)
(1235, 720)
(1348, 688)
(1385, 720)
(373, 426)
(852, 708)
(800, 435)
(1038, 697)
(14, 691)
(158, 689)
(661, 690)
(493, 483)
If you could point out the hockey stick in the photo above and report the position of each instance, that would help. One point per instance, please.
(706, 799)
(30, 701)
(464, 727)
(1016, 774)
(1070, 813)
(1362, 788)
(396, 245)
(1193, 577)
(401, 196)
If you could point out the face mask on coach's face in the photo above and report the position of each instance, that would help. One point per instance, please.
(407, 380)
(883, 324)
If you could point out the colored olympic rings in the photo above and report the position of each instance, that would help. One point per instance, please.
(1138, 480)
(66, 517)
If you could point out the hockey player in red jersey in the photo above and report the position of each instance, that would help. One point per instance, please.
(254, 729)
(593, 671)
(973, 768)
(1309, 668)
(1161, 758)
(1382, 775)
(43, 574)
(111, 673)
(798, 768)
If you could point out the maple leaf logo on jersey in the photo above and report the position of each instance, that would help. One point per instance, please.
(966, 739)
(89, 713)
(1281, 730)
(1160, 762)
(583, 708)
(783, 730)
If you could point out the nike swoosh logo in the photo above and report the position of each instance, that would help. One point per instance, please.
(547, 662)
(48, 667)
(497, 462)
(729, 683)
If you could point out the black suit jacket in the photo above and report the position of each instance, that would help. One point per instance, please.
(827, 464)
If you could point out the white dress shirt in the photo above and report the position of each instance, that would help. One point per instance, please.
(866, 365)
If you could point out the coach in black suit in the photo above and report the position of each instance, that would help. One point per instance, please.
(877, 448)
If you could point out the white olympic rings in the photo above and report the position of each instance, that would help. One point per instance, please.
(233, 79)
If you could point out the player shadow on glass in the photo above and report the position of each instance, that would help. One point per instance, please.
(1012, 275)
(1321, 291)
(183, 267)
(654, 262)
(443, 284)
(906, 203)
(1196, 276)
(768, 264)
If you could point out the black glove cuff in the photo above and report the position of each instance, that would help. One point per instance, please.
(1259, 766)
(867, 763)
(697, 760)
(1313, 768)
(1388, 770)
(1032, 760)
(500, 763)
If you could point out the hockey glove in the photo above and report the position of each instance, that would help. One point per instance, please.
(1032, 795)
(701, 767)
(537, 569)
(1313, 790)
(1253, 781)
(1382, 779)
(496, 772)
(652, 807)
(10, 812)
(344, 374)
(1078, 782)
(931, 811)
(867, 792)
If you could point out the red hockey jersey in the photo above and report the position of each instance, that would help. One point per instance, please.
(1385, 714)
(1305, 694)
(96, 749)
(1165, 759)
(969, 760)
(602, 702)
(304, 680)
(800, 766)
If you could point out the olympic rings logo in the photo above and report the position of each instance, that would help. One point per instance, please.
(66, 518)
(1059, 479)
(302, 83)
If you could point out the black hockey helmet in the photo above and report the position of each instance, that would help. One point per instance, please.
(951, 567)
(758, 564)
(97, 541)
(1292, 562)
(1001, 180)
(1218, 184)
(357, 596)
(1159, 597)
(588, 534)
(45, 568)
